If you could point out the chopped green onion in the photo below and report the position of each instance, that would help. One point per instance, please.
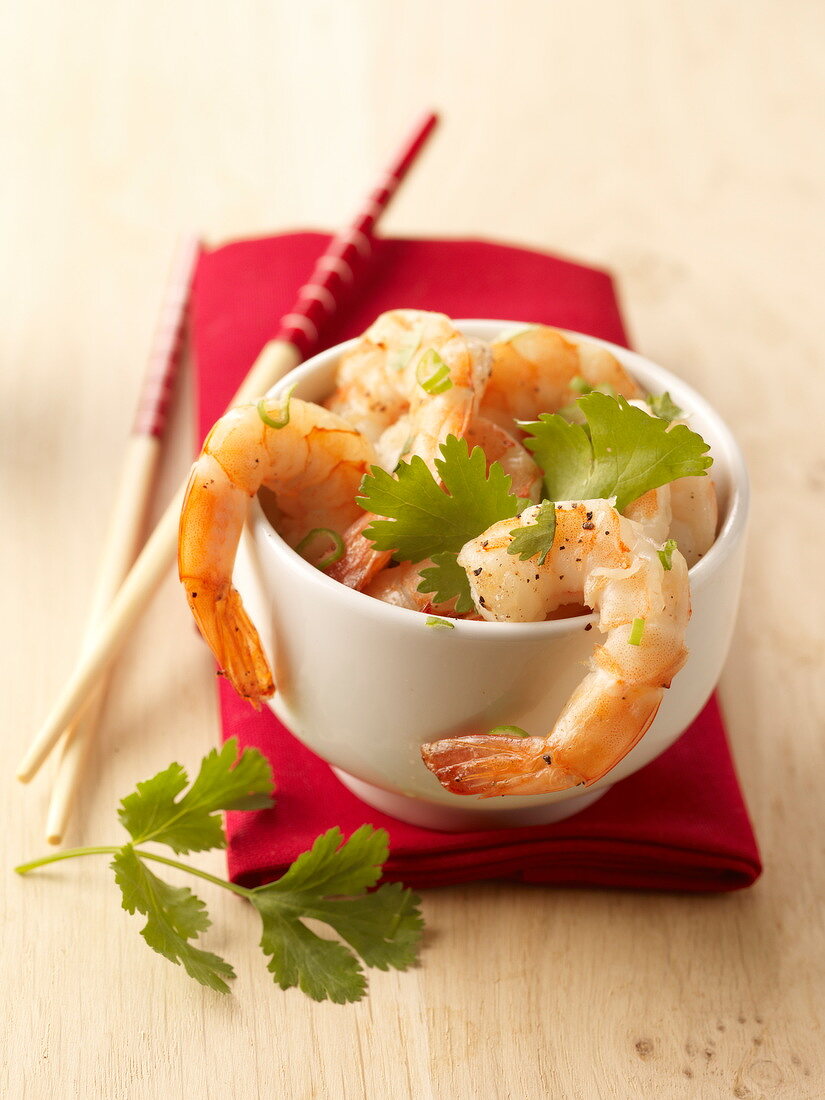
(636, 632)
(579, 385)
(433, 620)
(510, 731)
(432, 373)
(334, 555)
(282, 419)
(666, 553)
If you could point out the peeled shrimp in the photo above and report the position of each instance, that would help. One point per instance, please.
(313, 465)
(382, 383)
(398, 585)
(380, 391)
(364, 568)
(516, 461)
(608, 562)
(653, 512)
(686, 509)
(695, 516)
(533, 369)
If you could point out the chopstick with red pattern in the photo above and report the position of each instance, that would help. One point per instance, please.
(335, 274)
(128, 515)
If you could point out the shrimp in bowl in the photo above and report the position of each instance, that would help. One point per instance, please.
(367, 678)
(609, 562)
(312, 461)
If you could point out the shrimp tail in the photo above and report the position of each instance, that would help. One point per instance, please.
(495, 764)
(229, 631)
(597, 729)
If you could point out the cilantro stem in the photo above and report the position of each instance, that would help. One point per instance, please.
(242, 891)
(69, 853)
(110, 850)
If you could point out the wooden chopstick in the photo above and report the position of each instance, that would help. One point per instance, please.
(128, 515)
(335, 274)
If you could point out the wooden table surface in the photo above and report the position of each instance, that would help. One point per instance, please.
(680, 144)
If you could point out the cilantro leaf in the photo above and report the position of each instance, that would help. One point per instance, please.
(193, 823)
(536, 537)
(446, 579)
(663, 406)
(175, 916)
(383, 927)
(323, 969)
(425, 519)
(622, 452)
(331, 868)
(329, 883)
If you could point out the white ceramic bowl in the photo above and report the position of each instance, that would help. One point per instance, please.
(364, 684)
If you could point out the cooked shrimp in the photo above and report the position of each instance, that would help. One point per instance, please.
(368, 393)
(398, 585)
(313, 464)
(691, 508)
(361, 561)
(608, 561)
(400, 354)
(417, 368)
(533, 369)
(516, 461)
(362, 564)
(695, 516)
(653, 513)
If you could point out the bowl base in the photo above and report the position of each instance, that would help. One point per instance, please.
(448, 819)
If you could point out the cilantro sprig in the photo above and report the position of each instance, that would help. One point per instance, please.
(425, 519)
(328, 883)
(620, 451)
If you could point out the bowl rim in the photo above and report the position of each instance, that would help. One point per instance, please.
(728, 538)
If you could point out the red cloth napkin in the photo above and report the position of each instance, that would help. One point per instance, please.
(678, 824)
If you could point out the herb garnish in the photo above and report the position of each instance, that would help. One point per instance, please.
(434, 621)
(637, 630)
(536, 537)
(429, 520)
(312, 542)
(281, 417)
(621, 451)
(432, 373)
(328, 883)
(663, 406)
(666, 554)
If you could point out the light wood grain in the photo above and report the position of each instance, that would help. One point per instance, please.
(679, 144)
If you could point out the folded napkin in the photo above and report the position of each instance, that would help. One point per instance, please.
(678, 824)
